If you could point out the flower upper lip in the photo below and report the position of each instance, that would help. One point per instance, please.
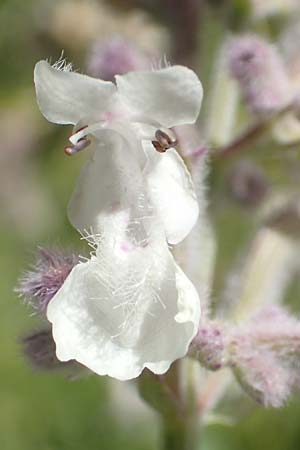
(140, 104)
(170, 96)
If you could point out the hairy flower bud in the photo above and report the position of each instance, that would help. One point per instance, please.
(116, 56)
(39, 285)
(209, 347)
(265, 355)
(39, 349)
(259, 70)
(259, 374)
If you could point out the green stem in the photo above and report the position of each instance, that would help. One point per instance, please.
(173, 395)
(180, 434)
(180, 426)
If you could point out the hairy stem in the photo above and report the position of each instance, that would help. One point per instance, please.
(180, 434)
(180, 426)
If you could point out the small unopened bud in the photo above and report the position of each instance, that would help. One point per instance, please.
(39, 285)
(39, 348)
(264, 355)
(247, 184)
(260, 72)
(116, 56)
(40, 351)
(260, 374)
(208, 346)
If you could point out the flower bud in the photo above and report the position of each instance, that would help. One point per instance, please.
(39, 285)
(39, 349)
(247, 183)
(264, 355)
(116, 56)
(259, 70)
(259, 373)
(208, 346)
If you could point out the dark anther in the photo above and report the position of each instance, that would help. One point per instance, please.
(163, 141)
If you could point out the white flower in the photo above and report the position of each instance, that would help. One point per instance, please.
(130, 306)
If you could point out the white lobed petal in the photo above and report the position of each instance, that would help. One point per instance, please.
(171, 191)
(109, 183)
(170, 96)
(117, 315)
(66, 97)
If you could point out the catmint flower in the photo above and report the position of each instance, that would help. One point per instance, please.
(260, 72)
(116, 56)
(129, 306)
(39, 285)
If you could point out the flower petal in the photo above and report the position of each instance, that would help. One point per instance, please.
(67, 97)
(170, 96)
(172, 193)
(119, 315)
(110, 182)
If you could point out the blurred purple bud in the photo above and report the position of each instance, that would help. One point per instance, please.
(116, 56)
(277, 330)
(260, 373)
(208, 346)
(247, 183)
(265, 356)
(39, 349)
(39, 285)
(260, 72)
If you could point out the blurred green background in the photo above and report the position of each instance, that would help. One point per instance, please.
(47, 410)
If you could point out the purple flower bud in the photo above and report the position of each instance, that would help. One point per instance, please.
(247, 183)
(39, 349)
(260, 72)
(260, 374)
(208, 346)
(39, 285)
(116, 56)
(265, 356)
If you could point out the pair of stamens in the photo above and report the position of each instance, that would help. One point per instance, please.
(163, 141)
